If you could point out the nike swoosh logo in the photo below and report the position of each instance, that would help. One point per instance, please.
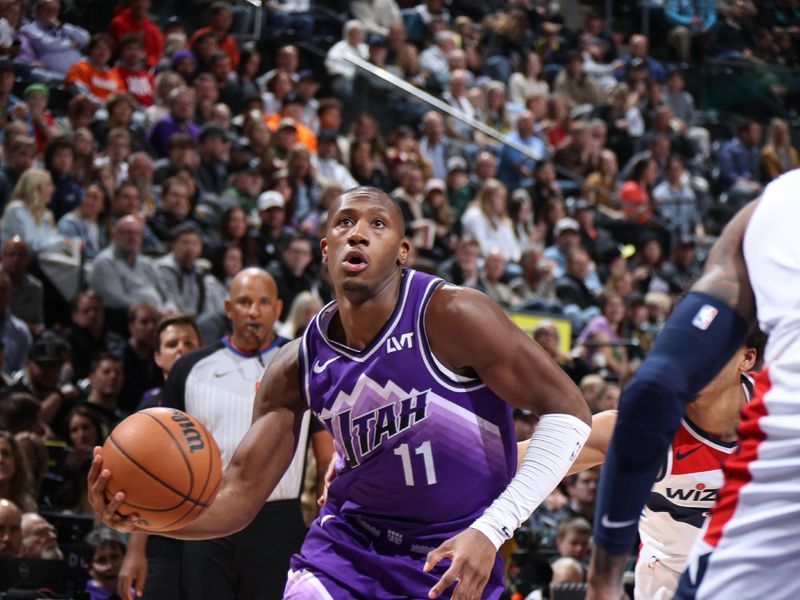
(222, 374)
(320, 367)
(681, 456)
(324, 519)
(606, 522)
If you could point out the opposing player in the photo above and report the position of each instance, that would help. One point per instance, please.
(414, 379)
(750, 546)
(690, 478)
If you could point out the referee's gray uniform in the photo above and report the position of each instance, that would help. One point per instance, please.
(217, 384)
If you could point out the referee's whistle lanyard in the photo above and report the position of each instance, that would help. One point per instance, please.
(261, 348)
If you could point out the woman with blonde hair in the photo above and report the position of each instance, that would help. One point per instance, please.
(600, 187)
(778, 156)
(488, 222)
(304, 307)
(27, 215)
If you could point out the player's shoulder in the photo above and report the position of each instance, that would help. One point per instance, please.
(453, 301)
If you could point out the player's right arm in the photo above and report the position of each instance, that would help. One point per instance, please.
(594, 451)
(698, 339)
(257, 466)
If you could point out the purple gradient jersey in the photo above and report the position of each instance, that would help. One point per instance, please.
(421, 451)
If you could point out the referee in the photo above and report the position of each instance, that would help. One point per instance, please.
(217, 384)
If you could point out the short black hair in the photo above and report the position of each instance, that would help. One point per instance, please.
(103, 356)
(368, 190)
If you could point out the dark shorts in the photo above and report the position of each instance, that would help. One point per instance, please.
(342, 561)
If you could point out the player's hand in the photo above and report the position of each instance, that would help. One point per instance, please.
(330, 473)
(106, 510)
(133, 571)
(472, 559)
(606, 572)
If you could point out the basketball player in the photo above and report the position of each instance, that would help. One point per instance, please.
(750, 546)
(415, 379)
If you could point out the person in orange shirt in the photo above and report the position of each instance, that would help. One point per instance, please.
(92, 75)
(221, 18)
(292, 110)
(635, 192)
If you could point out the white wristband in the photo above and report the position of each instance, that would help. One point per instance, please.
(555, 444)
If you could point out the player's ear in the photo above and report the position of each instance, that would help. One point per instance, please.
(402, 253)
(749, 357)
(323, 245)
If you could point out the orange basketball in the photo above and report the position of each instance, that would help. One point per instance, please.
(168, 465)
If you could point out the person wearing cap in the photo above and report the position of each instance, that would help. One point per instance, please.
(272, 235)
(133, 19)
(329, 166)
(131, 69)
(212, 174)
(15, 335)
(566, 234)
(55, 44)
(290, 116)
(639, 46)
(459, 191)
(187, 288)
(245, 184)
(308, 86)
(683, 269)
(38, 118)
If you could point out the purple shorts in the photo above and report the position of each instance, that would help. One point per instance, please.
(340, 561)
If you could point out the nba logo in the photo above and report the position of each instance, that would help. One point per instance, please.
(704, 317)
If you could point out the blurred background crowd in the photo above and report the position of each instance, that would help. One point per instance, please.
(572, 160)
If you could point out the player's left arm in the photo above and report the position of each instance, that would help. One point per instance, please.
(594, 451)
(471, 335)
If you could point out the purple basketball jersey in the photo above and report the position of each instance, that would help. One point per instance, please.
(422, 451)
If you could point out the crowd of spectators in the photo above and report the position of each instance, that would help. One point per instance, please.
(148, 158)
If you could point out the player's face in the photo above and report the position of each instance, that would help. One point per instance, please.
(365, 243)
(730, 375)
(176, 340)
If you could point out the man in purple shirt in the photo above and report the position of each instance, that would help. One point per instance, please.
(179, 120)
(55, 44)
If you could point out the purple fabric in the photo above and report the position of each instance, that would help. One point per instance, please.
(165, 128)
(420, 455)
(598, 324)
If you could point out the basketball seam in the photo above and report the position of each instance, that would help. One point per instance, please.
(185, 497)
(211, 454)
(178, 446)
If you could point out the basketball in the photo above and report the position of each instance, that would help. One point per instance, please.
(168, 465)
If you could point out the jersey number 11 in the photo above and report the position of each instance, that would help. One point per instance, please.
(427, 455)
